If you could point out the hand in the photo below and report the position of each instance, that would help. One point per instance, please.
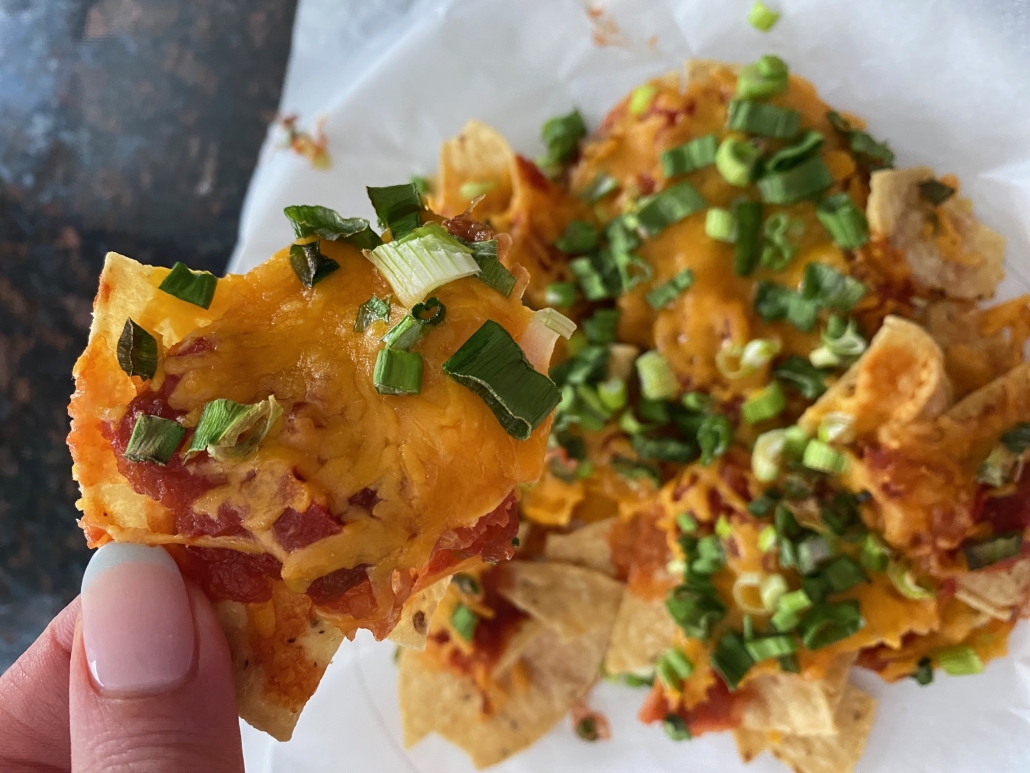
(134, 675)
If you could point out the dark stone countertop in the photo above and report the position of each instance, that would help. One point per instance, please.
(127, 125)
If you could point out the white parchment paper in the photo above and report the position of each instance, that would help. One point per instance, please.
(946, 82)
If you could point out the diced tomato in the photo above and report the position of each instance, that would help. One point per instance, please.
(489, 538)
(229, 574)
(532, 173)
(191, 524)
(715, 715)
(1010, 513)
(639, 549)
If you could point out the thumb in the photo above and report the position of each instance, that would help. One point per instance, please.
(150, 680)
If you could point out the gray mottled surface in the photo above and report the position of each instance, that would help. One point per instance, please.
(128, 125)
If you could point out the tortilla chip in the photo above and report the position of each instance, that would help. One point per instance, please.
(553, 672)
(967, 265)
(526, 634)
(587, 547)
(479, 156)
(565, 598)
(1000, 593)
(835, 753)
(279, 652)
(791, 704)
(643, 630)
(413, 627)
(750, 743)
(898, 380)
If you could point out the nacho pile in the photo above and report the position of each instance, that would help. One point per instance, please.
(790, 427)
(320, 441)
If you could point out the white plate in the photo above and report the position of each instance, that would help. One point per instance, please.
(947, 83)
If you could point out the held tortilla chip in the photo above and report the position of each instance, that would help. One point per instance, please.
(352, 522)
(791, 704)
(413, 627)
(552, 672)
(643, 630)
(587, 547)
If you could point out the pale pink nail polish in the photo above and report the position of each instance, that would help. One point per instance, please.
(137, 624)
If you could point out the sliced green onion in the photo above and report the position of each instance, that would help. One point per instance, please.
(590, 279)
(560, 294)
(656, 411)
(759, 118)
(492, 272)
(785, 620)
(719, 225)
(800, 182)
(762, 505)
(829, 287)
(761, 17)
(723, 527)
(405, 334)
(589, 365)
(774, 303)
(668, 291)
(664, 449)
(748, 248)
(375, 309)
(781, 233)
(737, 161)
(842, 343)
(819, 456)
(153, 439)
(561, 136)
(766, 78)
(430, 312)
(599, 187)
(767, 647)
(601, 327)
(696, 613)
(846, 223)
(622, 233)
(416, 266)
(579, 237)
(668, 207)
(586, 728)
(841, 514)
(714, 437)
(686, 523)
(870, 153)
(735, 361)
(772, 589)
(555, 321)
(473, 190)
(793, 155)
(467, 584)
(613, 394)
(638, 680)
(827, 623)
(843, 573)
(710, 555)
(137, 351)
(796, 601)
(835, 427)
(676, 728)
(811, 552)
(698, 401)
(767, 455)
(960, 661)
(231, 430)
(492, 365)
(634, 470)
(399, 208)
(641, 98)
(935, 192)
(327, 224)
(672, 668)
(464, 622)
(620, 361)
(876, 556)
(422, 184)
(1017, 439)
(901, 577)
(816, 587)
(657, 379)
(690, 156)
(397, 372)
(924, 672)
(765, 404)
(731, 659)
(745, 582)
(994, 550)
(798, 373)
(196, 287)
(310, 265)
